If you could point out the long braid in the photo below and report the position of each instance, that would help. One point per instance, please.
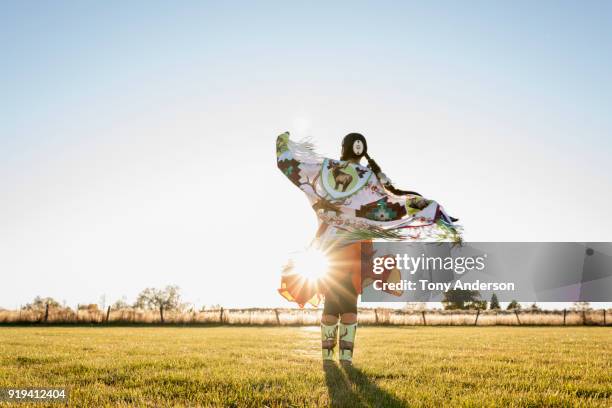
(384, 180)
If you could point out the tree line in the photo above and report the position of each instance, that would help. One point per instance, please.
(166, 299)
(169, 299)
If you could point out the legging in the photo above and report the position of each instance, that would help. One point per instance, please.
(340, 295)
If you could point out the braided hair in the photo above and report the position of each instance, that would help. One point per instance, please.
(354, 147)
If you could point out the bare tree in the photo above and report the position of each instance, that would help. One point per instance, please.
(121, 304)
(102, 302)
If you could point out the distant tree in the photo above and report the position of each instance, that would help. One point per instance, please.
(41, 302)
(415, 306)
(581, 306)
(514, 305)
(494, 302)
(462, 299)
(478, 304)
(102, 302)
(121, 304)
(210, 307)
(165, 299)
(534, 307)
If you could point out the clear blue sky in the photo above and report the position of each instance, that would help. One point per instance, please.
(137, 139)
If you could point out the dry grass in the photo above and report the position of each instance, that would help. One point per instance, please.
(308, 317)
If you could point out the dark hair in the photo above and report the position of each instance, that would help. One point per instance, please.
(348, 153)
(347, 146)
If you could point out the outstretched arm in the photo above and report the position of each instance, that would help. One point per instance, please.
(297, 161)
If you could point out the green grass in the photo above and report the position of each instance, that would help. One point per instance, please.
(249, 366)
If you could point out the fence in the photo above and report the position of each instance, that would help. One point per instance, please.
(308, 317)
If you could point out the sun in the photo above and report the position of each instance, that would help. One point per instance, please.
(312, 264)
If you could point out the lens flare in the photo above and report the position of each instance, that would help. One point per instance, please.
(312, 264)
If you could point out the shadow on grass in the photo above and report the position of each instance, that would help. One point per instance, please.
(350, 387)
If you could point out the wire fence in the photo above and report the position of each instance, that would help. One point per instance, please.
(307, 317)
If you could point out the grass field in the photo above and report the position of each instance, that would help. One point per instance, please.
(257, 366)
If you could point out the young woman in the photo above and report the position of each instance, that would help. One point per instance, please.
(354, 205)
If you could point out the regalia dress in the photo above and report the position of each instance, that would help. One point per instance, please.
(353, 207)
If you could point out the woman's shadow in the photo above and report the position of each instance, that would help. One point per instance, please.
(350, 387)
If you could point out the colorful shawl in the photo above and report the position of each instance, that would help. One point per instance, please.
(352, 204)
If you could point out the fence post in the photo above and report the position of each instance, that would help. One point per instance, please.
(161, 312)
(564, 315)
(221, 316)
(77, 312)
(376, 316)
(277, 318)
(477, 314)
(424, 321)
(517, 316)
(604, 317)
(46, 312)
(107, 313)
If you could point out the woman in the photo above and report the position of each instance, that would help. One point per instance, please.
(354, 205)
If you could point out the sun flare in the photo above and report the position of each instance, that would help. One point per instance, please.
(312, 264)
